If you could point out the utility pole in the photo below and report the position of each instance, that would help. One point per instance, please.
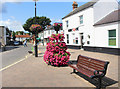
(36, 48)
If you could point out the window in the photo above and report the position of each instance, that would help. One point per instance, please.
(67, 39)
(52, 31)
(66, 23)
(75, 39)
(77, 29)
(49, 32)
(45, 33)
(112, 37)
(69, 30)
(81, 19)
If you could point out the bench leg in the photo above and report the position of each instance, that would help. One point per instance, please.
(99, 83)
(74, 71)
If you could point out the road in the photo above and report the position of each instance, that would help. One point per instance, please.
(14, 55)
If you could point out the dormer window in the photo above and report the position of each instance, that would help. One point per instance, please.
(81, 19)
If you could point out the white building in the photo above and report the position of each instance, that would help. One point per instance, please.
(47, 33)
(93, 26)
(3, 35)
(22, 37)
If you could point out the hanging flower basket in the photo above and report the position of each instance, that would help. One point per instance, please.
(35, 28)
(57, 26)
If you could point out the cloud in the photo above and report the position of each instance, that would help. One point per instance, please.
(3, 7)
(12, 17)
(56, 20)
(12, 25)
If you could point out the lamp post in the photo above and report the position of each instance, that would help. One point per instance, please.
(36, 50)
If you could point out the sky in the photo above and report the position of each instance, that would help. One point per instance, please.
(15, 14)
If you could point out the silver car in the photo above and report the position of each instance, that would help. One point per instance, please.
(16, 43)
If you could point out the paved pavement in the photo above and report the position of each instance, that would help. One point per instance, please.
(16, 54)
(34, 72)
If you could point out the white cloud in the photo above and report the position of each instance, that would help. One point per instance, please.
(56, 20)
(12, 25)
(12, 17)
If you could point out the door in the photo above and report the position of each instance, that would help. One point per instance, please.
(81, 40)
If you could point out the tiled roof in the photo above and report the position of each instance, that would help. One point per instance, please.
(112, 17)
(22, 36)
(89, 4)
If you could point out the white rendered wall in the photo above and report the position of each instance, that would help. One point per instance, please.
(1, 34)
(103, 8)
(4, 36)
(86, 28)
(48, 33)
(119, 34)
(98, 34)
(101, 35)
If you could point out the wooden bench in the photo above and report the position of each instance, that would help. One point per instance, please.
(90, 67)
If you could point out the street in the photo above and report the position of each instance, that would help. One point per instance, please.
(9, 57)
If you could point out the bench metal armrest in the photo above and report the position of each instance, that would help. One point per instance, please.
(72, 63)
(97, 73)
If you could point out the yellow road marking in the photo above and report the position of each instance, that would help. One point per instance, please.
(13, 63)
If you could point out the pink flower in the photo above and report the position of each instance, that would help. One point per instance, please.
(57, 48)
(56, 53)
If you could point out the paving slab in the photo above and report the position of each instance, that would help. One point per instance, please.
(34, 72)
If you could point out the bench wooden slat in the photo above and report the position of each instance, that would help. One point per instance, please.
(91, 67)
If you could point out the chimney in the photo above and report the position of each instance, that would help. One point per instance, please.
(75, 5)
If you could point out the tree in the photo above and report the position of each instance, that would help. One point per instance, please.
(28, 33)
(16, 33)
(13, 35)
(19, 33)
(43, 21)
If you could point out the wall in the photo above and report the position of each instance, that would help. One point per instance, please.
(119, 34)
(3, 35)
(101, 35)
(48, 33)
(98, 34)
(20, 39)
(4, 41)
(86, 28)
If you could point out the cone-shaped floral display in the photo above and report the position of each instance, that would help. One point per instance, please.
(56, 53)
(35, 28)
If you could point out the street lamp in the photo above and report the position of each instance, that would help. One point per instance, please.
(36, 51)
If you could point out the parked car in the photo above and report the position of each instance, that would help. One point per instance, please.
(20, 42)
(11, 43)
(16, 43)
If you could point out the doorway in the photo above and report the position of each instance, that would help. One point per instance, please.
(81, 40)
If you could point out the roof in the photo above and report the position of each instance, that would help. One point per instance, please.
(23, 36)
(110, 18)
(85, 6)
